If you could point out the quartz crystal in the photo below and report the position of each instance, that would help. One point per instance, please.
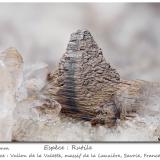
(11, 70)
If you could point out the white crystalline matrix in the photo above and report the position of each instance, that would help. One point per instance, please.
(11, 66)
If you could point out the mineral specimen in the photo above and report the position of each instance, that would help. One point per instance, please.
(84, 87)
(84, 83)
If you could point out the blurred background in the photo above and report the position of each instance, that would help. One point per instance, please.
(128, 33)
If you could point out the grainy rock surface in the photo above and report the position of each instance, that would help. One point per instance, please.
(84, 83)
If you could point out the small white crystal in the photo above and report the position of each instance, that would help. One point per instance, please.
(37, 71)
(35, 77)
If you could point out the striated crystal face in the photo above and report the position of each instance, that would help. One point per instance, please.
(84, 80)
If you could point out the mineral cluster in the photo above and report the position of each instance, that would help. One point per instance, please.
(37, 105)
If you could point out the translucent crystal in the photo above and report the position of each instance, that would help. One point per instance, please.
(11, 70)
(14, 63)
(35, 77)
(34, 80)
(7, 103)
(35, 115)
(34, 110)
